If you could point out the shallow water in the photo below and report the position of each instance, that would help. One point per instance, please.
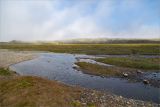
(155, 75)
(59, 67)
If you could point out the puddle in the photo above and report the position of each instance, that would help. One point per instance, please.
(59, 67)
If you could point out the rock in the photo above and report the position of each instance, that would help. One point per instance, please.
(93, 94)
(83, 103)
(103, 76)
(125, 74)
(75, 66)
(128, 102)
(145, 81)
(120, 97)
(139, 72)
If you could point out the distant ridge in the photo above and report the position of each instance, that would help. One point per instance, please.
(108, 41)
(88, 41)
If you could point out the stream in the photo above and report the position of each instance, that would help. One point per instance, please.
(57, 66)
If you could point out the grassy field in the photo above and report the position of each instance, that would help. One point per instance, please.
(133, 62)
(119, 49)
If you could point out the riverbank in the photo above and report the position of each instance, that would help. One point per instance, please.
(8, 58)
(130, 74)
(35, 91)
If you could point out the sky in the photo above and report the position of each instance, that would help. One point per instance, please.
(49, 20)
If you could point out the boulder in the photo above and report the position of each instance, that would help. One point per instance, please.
(75, 66)
(125, 74)
(145, 81)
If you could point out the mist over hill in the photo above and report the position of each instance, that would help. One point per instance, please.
(88, 41)
(108, 41)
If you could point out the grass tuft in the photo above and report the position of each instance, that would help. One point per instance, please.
(4, 72)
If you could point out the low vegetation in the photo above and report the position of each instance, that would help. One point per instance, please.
(35, 92)
(133, 62)
(132, 75)
(28, 91)
(96, 69)
(106, 71)
(4, 72)
(119, 49)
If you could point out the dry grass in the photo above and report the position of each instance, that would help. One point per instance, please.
(34, 92)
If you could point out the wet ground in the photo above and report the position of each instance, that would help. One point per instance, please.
(59, 67)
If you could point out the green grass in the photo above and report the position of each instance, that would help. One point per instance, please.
(96, 69)
(133, 62)
(120, 49)
(4, 72)
(123, 65)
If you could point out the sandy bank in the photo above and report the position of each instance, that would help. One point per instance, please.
(11, 57)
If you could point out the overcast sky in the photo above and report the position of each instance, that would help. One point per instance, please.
(31, 20)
